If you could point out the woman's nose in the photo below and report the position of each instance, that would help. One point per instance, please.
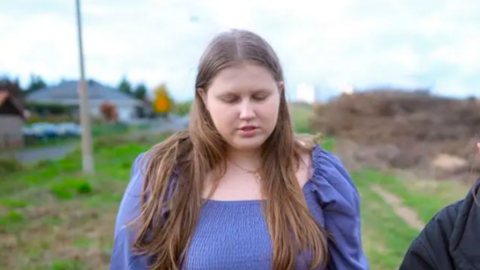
(246, 111)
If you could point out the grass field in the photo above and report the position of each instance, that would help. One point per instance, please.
(53, 217)
(394, 210)
(301, 114)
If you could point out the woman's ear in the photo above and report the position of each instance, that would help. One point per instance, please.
(281, 86)
(203, 96)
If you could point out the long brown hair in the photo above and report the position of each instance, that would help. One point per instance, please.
(175, 171)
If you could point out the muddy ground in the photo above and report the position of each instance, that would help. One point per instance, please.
(415, 130)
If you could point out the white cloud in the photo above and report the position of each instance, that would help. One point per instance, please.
(359, 42)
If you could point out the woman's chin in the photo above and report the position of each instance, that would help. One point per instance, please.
(247, 144)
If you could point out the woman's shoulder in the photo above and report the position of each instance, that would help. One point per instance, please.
(328, 169)
(330, 178)
(136, 190)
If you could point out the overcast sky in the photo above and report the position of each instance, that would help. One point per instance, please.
(326, 43)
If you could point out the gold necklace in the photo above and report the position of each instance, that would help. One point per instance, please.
(255, 173)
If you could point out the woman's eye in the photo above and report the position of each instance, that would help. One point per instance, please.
(229, 99)
(260, 97)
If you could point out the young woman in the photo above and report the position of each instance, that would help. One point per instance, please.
(450, 241)
(238, 190)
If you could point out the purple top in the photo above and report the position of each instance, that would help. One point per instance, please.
(234, 234)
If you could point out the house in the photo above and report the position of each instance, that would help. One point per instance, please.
(11, 121)
(66, 94)
(13, 88)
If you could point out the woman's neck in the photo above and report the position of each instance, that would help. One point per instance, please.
(250, 160)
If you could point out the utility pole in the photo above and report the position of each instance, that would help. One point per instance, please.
(87, 148)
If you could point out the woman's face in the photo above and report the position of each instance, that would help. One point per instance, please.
(243, 102)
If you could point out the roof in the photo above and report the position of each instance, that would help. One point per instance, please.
(68, 90)
(3, 97)
(6, 97)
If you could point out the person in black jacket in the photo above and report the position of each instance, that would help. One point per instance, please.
(451, 240)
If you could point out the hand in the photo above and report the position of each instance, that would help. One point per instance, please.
(478, 146)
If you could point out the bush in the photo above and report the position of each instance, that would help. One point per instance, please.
(53, 108)
(67, 189)
(44, 163)
(182, 108)
(35, 118)
(8, 166)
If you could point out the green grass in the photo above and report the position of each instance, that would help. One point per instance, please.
(98, 130)
(301, 114)
(386, 236)
(426, 196)
(54, 217)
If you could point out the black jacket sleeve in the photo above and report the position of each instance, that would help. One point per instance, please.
(430, 250)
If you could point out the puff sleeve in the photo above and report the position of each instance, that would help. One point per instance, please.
(336, 196)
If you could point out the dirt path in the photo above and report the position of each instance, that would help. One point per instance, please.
(407, 214)
(43, 153)
(346, 150)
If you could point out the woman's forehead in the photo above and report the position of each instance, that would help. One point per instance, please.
(243, 78)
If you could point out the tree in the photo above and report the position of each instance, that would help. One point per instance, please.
(125, 86)
(36, 83)
(162, 102)
(140, 92)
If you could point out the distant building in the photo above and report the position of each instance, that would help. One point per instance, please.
(66, 94)
(11, 121)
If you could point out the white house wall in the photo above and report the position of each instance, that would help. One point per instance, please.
(11, 131)
(125, 113)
